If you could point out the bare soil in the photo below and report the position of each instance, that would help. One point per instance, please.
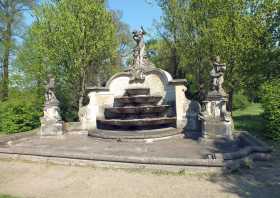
(35, 180)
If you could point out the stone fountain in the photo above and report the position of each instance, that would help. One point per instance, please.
(141, 100)
(143, 103)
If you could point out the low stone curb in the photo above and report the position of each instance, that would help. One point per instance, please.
(143, 136)
(115, 158)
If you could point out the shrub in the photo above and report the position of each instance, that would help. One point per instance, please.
(240, 101)
(271, 105)
(20, 113)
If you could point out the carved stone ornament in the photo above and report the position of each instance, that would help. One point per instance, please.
(217, 75)
(140, 62)
(50, 98)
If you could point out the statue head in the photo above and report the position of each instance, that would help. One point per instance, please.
(217, 59)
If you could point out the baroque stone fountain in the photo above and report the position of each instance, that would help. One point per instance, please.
(146, 104)
(142, 101)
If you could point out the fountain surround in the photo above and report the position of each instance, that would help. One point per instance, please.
(137, 110)
(143, 99)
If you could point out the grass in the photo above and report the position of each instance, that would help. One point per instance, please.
(6, 196)
(250, 119)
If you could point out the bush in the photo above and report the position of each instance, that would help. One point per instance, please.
(20, 113)
(271, 105)
(240, 101)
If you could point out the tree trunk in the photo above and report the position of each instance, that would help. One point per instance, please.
(230, 100)
(83, 88)
(174, 62)
(7, 40)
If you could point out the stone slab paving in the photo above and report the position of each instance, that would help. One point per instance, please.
(175, 147)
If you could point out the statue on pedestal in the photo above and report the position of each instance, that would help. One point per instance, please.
(51, 122)
(140, 62)
(215, 119)
(217, 75)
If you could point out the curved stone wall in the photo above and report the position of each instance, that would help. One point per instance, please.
(157, 80)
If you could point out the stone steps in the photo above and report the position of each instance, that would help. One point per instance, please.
(136, 124)
(136, 112)
(141, 100)
(137, 91)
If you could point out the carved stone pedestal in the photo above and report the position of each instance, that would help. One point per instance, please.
(213, 129)
(216, 121)
(51, 123)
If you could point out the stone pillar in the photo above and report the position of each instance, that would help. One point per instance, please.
(100, 98)
(181, 102)
(216, 121)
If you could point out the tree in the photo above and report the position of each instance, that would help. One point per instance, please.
(11, 15)
(201, 29)
(70, 39)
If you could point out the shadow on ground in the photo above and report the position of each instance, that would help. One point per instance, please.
(263, 178)
(259, 181)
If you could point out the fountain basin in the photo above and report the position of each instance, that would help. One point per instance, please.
(138, 110)
(137, 100)
(139, 124)
(137, 91)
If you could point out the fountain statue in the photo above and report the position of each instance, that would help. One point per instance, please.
(51, 122)
(216, 120)
(217, 75)
(140, 62)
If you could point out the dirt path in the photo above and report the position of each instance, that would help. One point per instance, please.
(28, 180)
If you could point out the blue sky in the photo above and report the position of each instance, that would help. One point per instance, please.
(137, 12)
(134, 12)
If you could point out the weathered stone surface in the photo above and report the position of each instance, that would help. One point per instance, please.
(137, 112)
(181, 102)
(156, 80)
(137, 91)
(137, 100)
(171, 151)
(131, 124)
(51, 123)
(51, 128)
(216, 120)
(217, 129)
(141, 96)
(99, 100)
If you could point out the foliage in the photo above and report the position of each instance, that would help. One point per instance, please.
(75, 41)
(21, 112)
(244, 33)
(271, 105)
(11, 25)
(240, 101)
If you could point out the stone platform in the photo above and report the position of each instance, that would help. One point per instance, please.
(174, 151)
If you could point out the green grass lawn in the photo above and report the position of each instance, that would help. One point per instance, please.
(250, 119)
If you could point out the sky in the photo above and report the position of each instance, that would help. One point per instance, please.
(134, 12)
(137, 12)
